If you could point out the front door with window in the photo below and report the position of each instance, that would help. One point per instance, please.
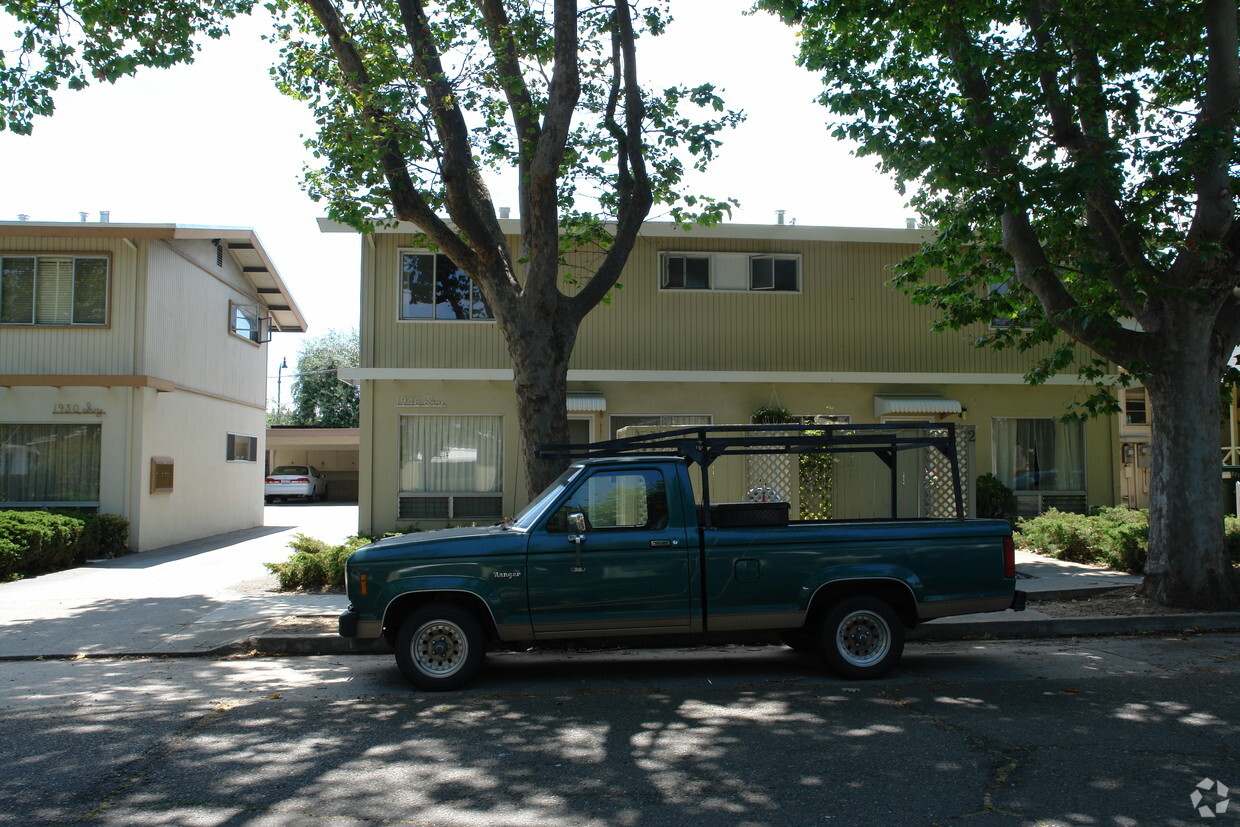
(628, 569)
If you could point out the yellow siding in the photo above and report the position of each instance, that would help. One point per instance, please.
(847, 318)
(76, 349)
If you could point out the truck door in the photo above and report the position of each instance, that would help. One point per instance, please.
(628, 569)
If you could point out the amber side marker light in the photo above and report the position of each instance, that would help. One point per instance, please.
(363, 586)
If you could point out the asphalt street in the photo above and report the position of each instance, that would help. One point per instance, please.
(1064, 731)
(1106, 731)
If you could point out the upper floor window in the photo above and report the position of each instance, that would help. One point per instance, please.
(1136, 406)
(432, 287)
(1011, 316)
(53, 290)
(730, 271)
(245, 321)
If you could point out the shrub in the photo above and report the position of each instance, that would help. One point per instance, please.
(1117, 537)
(36, 542)
(315, 565)
(10, 560)
(107, 534)
(994, 499)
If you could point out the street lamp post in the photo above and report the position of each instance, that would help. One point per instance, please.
(279, 379)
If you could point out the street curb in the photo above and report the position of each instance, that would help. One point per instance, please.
(332, 644)
(1078, 626)
(313, 645)
(972, 630)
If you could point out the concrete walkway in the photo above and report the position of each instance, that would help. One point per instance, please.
(189, 599)
(213, 596)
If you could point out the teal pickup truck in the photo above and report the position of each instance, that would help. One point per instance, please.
(620, 546)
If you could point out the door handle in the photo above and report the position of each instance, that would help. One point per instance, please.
(577, 540)
(660, 543)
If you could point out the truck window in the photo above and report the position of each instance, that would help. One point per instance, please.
(622, 499)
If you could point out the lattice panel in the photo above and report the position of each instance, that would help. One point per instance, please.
(770, 477)
(938, 497)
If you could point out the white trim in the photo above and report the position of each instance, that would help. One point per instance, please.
(672, 229)
(715, 377)
(425, 374)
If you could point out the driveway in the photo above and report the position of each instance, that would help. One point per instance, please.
(195, 595)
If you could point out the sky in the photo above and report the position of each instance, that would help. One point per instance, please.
(214, 144)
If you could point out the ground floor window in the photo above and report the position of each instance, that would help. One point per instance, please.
(451, 467)
(241, 448)
(50, 464)
(1040, 454)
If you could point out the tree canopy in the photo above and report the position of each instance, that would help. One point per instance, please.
(416, 101)
(320, 399)
(1078, 163)
(73, 44)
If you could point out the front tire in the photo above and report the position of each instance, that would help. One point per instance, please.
(862, 638)
(440, 647)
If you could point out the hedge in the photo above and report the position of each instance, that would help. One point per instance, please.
(1115, 537)
(36, 542)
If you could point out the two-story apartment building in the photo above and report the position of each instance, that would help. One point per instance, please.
(133, 373)
(709, 326)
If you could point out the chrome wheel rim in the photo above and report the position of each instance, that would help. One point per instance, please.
(439, 648)
(863, 638)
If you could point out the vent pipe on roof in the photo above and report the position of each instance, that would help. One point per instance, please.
(21, 216)
(83, 215)
(779, 216)
(105, 216)
(910, 223)
(504, 212)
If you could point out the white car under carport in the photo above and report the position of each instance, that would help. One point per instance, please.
(288, 481)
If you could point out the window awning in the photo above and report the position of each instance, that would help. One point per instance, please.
(891, 404)
(579, 401)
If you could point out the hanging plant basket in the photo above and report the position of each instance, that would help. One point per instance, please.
(767, 415)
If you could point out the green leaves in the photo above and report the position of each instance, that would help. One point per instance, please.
(75, 43)
(1062, 151)
(320, 399)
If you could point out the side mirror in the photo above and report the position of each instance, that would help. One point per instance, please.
(577, 522)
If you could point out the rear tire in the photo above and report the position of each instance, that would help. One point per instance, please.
(862, 638)
(440, 647)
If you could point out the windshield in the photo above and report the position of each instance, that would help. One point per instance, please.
(290, 469)
(530, 514)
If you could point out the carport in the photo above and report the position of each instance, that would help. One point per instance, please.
(334, 451)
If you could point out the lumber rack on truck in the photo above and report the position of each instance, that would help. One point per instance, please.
(705, 444)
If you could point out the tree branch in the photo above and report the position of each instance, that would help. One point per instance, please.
(517, 92)
(1087, 143)
(633, 181)
(407, 202)
(466, 195)
(1032, 266)
(540, 213)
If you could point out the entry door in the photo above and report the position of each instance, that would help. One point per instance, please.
(628, 570)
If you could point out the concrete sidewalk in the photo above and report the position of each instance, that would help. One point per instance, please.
(212, 597)
(196, 598)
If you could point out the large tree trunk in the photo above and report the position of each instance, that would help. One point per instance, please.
(540, 345)
(1188, 564)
